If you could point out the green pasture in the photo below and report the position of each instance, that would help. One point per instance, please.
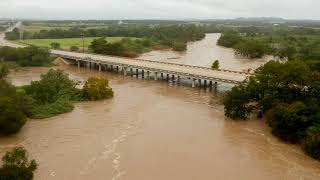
(66, 43)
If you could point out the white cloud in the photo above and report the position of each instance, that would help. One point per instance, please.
(159, 9)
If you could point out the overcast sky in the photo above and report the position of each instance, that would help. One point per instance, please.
(159, 9)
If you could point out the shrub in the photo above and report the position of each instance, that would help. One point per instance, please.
(215, 64)
(62, 105)
(4, 70)
(14, 107)
(16, 165)
(179, 46)
(311, 143)
(74, 48)
(55, 45)
(97, 88)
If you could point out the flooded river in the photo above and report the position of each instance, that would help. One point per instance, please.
(153, 130)
(204, 53)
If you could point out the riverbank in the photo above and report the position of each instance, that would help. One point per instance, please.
(154, 130)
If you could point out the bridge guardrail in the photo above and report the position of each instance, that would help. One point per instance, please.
(159, 62)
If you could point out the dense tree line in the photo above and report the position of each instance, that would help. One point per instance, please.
(172, 36)
(29, 56)
(285, 43)
(288, 95)
(126, 47)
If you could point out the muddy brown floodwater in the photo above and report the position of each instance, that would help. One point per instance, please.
(153, 130)
(204, 53)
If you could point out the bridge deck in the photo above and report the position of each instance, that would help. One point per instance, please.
(234, 77)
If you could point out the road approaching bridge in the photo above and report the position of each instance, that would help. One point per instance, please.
(128, 65)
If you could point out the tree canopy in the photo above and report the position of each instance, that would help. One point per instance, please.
(29, 56)
(97, 88)
(288, 94)
(16, 166)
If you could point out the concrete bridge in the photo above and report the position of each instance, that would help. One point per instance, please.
(157, 69)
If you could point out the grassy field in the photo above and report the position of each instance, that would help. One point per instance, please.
(66, 43)
(33, 28)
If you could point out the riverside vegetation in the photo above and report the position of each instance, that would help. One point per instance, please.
(168, 36)
(16, 166)
(286, 94)
(284, 43)
(53, 94)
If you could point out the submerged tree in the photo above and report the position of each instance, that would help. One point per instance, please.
(16, 166)
(97, 88)
(215, 64)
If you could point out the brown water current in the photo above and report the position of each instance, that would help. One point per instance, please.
(204, 53)
(153, 130)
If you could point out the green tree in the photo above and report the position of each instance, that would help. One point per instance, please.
(215, 64)
(52, 86)
(4, 70)
(16, 165)
(179, 46)
(236, 103)
(14, 107)
(289, 122)
(99, 45)
(311, 143)
(97, 88)
(74, 48)
(252, 48)
(55, 45)
(29, 56)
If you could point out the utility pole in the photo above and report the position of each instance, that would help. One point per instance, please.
(82, 35)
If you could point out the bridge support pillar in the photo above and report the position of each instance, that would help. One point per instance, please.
(124, 71)
(205, 83)
(167, 77)
(137, 72)
(142, 73)
(215, 86)
(199, 82)
(155, 76)
(99, 67)
(111, 68)
(88, 65)
(131, 72)
(148, 73)
(117, 69)
(162, 76)
(172, 77)
(193, 82)
(78, 64)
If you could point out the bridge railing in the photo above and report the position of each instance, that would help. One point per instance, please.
(89, 59)
(159, 62)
